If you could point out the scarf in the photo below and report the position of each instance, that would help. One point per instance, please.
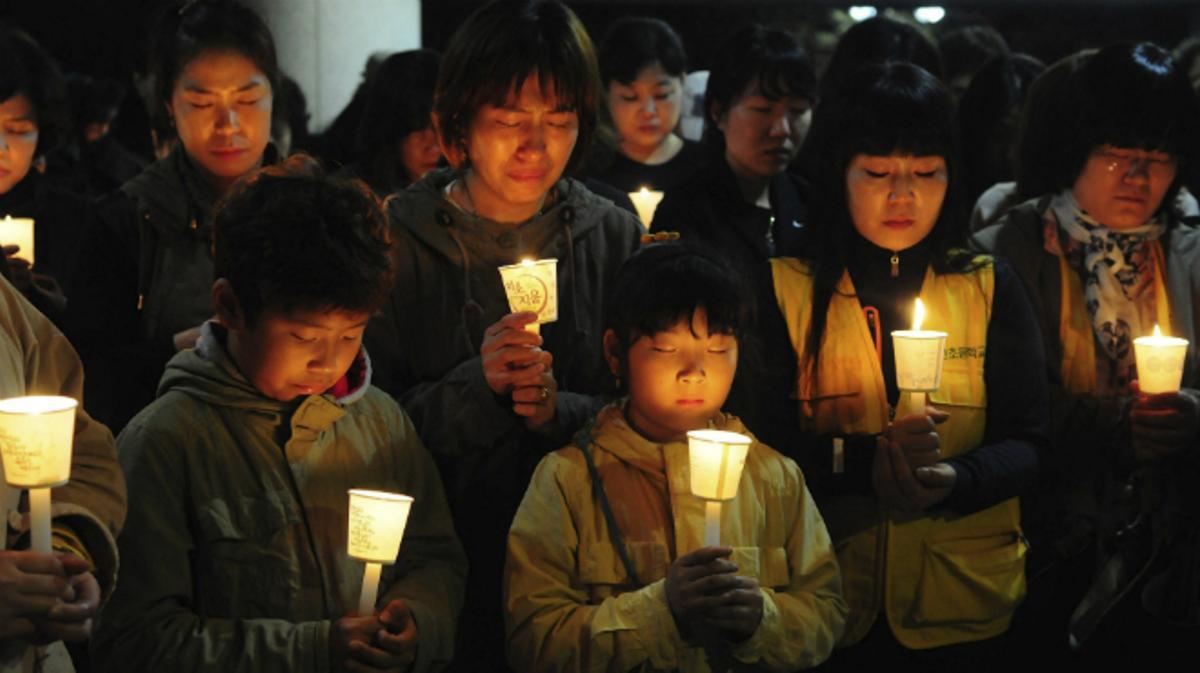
(1118, 272)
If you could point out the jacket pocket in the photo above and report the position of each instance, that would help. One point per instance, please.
(245, 564)
(767, 565)
(604, 574)
(971, 579)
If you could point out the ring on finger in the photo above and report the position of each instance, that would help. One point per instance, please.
(545, 393)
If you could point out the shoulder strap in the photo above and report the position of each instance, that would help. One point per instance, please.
(585, 445)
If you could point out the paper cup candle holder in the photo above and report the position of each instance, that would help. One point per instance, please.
(18, 231)
(716, 459)
(36, 435)
(646, 202)
(532, 286)
(377, 520)
(1159, 362)
(919, 356)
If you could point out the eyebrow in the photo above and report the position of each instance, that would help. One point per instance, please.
(242, 89)
(326, 328)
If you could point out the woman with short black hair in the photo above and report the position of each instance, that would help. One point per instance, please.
(746, 205)
(1105, 257)
(514, 110)
(642, 67)
(143, 288)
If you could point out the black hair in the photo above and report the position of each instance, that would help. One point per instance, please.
(1046, 120)
(755, 54)
(186, 30)
(662, 284)
(633, 43)
(1130, 95)
(878, 40)
(989, 120)
(967, 49)
(25, 68)
(93, 100)
(496, 49)
(288, 239)
(882, 109)
(399, 102)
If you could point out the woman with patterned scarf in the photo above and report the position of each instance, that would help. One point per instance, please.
(1105, 259)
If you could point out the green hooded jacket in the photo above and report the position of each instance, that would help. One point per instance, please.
(236, 539)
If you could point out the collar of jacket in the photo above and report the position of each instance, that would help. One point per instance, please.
(422, 209)
(209, 373)
(611, 433)
(174, 193)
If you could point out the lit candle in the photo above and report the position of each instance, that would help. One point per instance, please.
(918, 360)
(377, 520)
(36, 435)
(532, 286)
(1159, 362)
(715, 458)
(646, 202)
(18, 231)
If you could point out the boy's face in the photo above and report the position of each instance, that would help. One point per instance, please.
(303, 353)
(679, 378)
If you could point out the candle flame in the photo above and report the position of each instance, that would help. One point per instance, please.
(7, 219)
(1157, 331)
(644, 191)
(527, 262)
(918, 315)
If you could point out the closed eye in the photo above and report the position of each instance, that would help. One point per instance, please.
(926, 174)
(875, 174)
(301, 339)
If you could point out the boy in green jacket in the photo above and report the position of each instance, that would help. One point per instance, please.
(234, 552)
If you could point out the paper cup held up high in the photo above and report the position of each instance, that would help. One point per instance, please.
(36, 437)
(532, 286)
(919, 359)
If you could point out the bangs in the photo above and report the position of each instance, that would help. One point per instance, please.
(900, 114)
(662, 285)
(787, 75)
(560, 66)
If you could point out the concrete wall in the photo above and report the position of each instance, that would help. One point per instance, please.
(323, 44)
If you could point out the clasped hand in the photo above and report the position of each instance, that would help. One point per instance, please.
(385, 642)
(705, 595)
(1163, 424)
(46, 597)
(907, 472)
(514, 364)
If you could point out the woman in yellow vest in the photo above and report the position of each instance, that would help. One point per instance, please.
(1105, 258)
(920, 502)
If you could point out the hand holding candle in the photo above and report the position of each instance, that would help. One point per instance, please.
(716, 459)
(36, 436)
(1165, 418)
(377, 521)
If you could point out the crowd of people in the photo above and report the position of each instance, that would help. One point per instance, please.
(267, 319)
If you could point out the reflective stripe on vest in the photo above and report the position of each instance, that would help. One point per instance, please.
(940, 578)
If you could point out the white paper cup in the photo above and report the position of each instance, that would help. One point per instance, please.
(1159, 363)
(532, 286)
(716, 459)
(646, 201)
(18, 231)
(377, 520)
(919, 359)
(36, 436)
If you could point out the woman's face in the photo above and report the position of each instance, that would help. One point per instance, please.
(646, 110)
(762, 135)
(518, 150)
(895, 199)
(1122, 187)
(221, 106)
(419, 153)
(18, 140)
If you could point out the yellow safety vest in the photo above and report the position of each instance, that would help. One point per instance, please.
(1075, 325)
(940, 578)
